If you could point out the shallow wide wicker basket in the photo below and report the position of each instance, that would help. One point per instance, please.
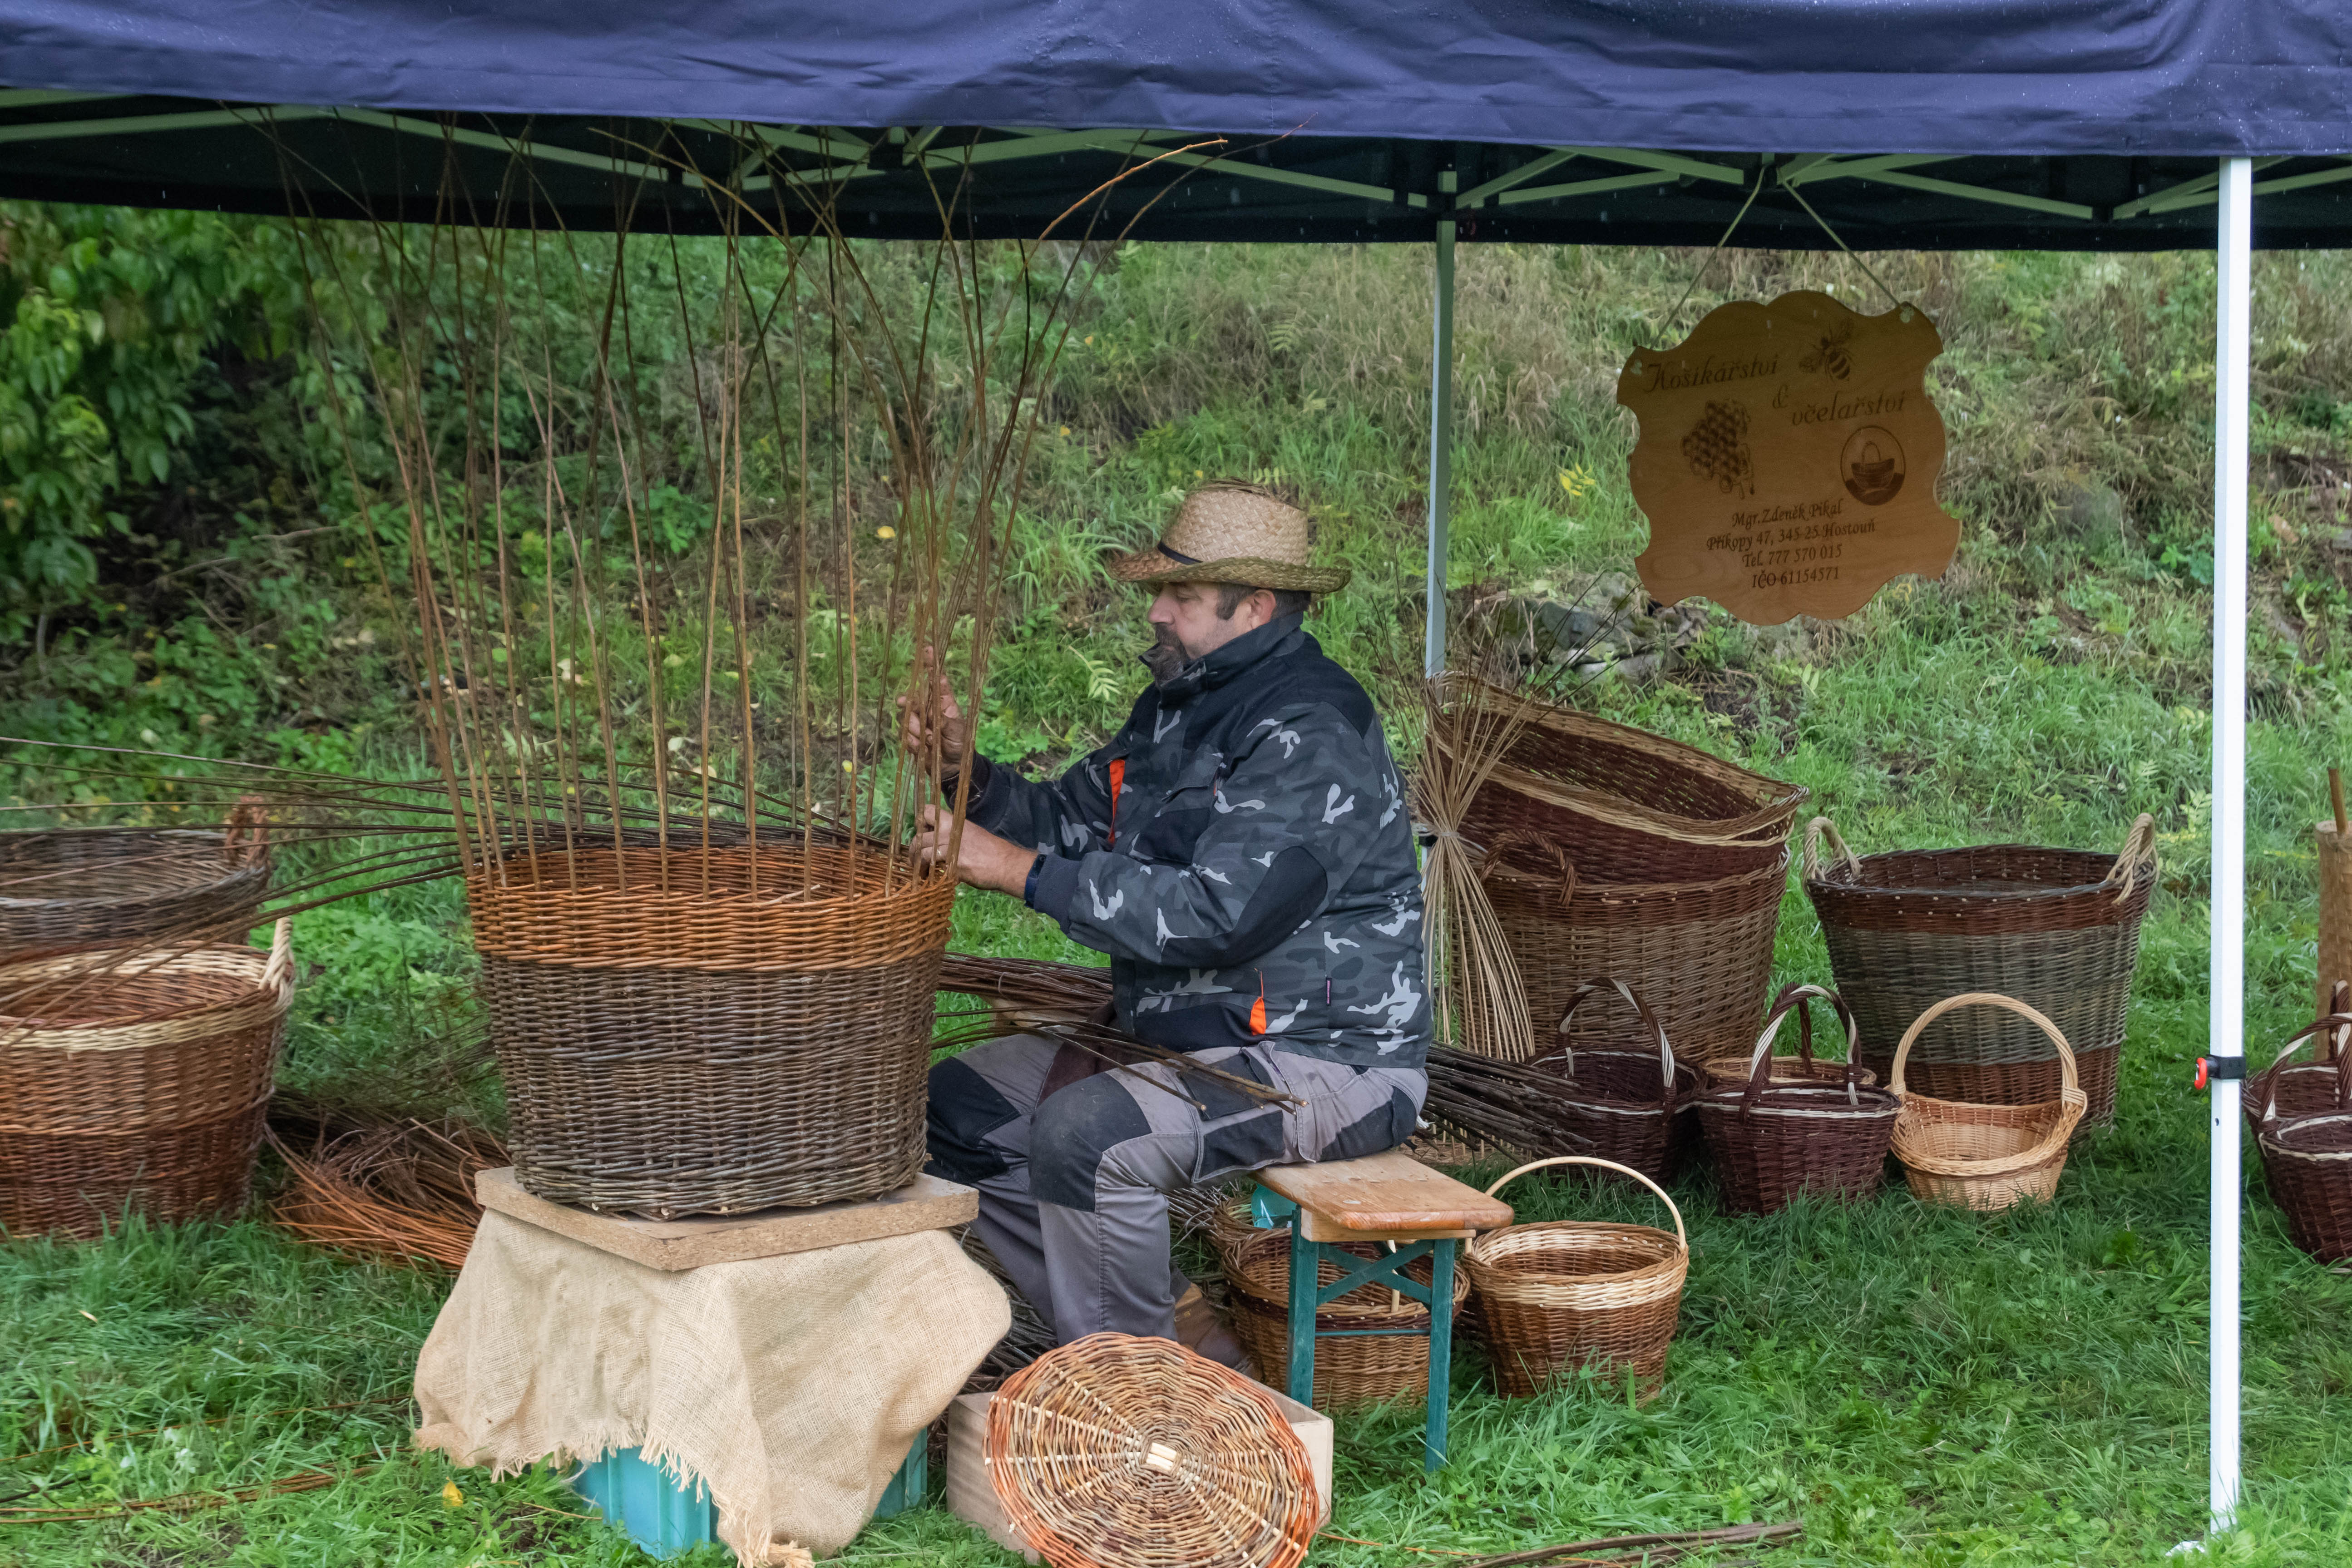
(1119, 1452)
(1805, 1066)
(705, 1047)
(2057, 928)
(1771, 1141)
(1984, 1156)
(1348, 1371)
(1701, 953)
(1553, 1298)
(87, 887)
(137, 1082)
(1624, 804)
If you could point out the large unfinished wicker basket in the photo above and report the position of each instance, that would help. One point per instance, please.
(692, 1032)
(137, 1080)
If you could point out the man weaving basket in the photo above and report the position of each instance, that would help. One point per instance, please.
(1243, 851)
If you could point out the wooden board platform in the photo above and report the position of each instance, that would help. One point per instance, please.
(1391, 1196)
(925, 1203)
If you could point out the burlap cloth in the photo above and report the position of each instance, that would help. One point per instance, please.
(792, 1385)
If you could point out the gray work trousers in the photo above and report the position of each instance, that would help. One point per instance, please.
(1075, 1159)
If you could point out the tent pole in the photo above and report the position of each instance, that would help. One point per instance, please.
(1441, 436)
(2233, 313)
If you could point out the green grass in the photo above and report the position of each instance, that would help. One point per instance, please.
(1925, 1389)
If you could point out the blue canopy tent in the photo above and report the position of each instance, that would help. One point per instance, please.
(1918, 124)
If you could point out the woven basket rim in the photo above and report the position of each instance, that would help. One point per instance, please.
(267, 990)
(1485, 1256)
(1913, 1135)
(2274, 1134)
(1853, 888)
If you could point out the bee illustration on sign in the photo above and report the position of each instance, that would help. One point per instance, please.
(1829, 353)
(1717, 448)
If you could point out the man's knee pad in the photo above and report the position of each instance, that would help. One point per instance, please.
(1073, 1132)
(964, 1110)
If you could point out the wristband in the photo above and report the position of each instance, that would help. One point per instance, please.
(1029, 888)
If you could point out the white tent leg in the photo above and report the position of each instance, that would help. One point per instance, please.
(2233, 313)
(1441, 437)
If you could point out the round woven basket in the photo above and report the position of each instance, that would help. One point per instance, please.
(1774, 1142)
(2307, 1162)
(1119, 1452)
(1631, 1107)
(1984, 1156)
(1556, 1296)
(1802, 1067)
(84, 886)
(1700, 951)
(1391, 1362)
(138, 1081)
(691, 1032)
(2324, 1083)
(1626, 805)
(2057, 928)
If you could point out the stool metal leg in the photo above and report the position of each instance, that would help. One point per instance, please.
(1304, 1275)
(1441, 1351)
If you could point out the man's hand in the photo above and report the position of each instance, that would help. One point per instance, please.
(982, 860)
(946, 733)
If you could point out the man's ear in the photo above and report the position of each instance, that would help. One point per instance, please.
(1262, 607)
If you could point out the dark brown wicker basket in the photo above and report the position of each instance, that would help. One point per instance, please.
(1774, 1142)
(137, 1080)
(2283, 1091)
(678, 1050)
(2307, 1161)
(1701, 953)
(1632, 1107)
(84, 886)
(2056, 928)
(1626, 805)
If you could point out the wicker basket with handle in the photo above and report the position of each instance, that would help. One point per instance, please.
(1626, 805)
(1119, 1452)
(1383, 1349)
(1984, 1156)
(2308, 1154)
(2057, 928)
(1555, 1297)
(1700, 951)
(2283, 1091)
(712, 1032)
(138, 1079)
(1802, 1067)
(90, 887)
(1771, 1141)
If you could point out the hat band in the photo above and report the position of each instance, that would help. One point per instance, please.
(1178, 556)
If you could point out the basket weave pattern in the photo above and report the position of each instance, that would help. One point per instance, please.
(2056, 928)
(1119, 1452)
(2307, 1162)
(1978, 1156)
(677, 1052)
(1771, 1141)
(1347, 1372)
(89, 887)
(1553, 1298)
(1701, 953)
(137, 1080)
(1626, 805)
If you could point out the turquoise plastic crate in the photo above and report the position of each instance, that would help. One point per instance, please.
(666, 1517)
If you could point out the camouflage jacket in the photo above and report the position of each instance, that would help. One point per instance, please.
(1243, 851)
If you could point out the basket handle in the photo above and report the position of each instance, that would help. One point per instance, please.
(2139, 850)
(1681, 1235)
(1793, 999)
(1814, 831)
(2329, 1029)
(278, 974)
(247, 841)
(1642, 1008)
(1544, 844)
(2068, 1084)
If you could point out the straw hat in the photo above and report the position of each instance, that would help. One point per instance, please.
(1232, 532)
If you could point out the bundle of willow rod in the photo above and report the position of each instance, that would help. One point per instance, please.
(1028, 984)
(1477, 980)
(1509, 1103)
(400, 1192)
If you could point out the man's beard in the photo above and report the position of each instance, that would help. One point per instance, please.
(1165, 656)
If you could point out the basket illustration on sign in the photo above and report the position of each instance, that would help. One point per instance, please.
(1872, 466)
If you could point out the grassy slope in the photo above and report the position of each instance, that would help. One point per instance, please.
(1924, 1388)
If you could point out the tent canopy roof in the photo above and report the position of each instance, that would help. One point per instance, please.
(1915, 123)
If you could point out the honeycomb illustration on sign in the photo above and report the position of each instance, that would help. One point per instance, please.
(1788, 457)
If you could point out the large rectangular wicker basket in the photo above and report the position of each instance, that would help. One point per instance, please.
(691, 1032)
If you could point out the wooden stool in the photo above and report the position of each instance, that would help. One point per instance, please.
(1391, 1197)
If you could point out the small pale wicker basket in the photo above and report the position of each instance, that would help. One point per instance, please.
(1985, 1157)
(1555, 1297)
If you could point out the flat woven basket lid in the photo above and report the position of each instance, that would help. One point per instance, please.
(1120, 1452)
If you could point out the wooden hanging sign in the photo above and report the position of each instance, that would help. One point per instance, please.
(1788, 457)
